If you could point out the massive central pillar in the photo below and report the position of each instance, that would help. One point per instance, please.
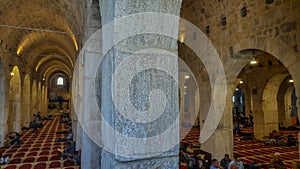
(139, 86)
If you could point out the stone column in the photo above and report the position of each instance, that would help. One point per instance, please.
(118, 150)
(4, 112)
(89, 149)
(221, 142)
(258, 114)
(298, 109)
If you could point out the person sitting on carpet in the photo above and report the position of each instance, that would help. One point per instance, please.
(276, 162)
(215, 164)
(281, 141)
(69, 137)
(77, 157)
(225, 161)
(236, 161)
(291, 141)
(13, 138)
(274, 135)
(3, 160)
(69, 150)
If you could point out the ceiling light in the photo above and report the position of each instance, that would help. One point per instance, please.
(12, 73)
(253, 61)
(187, 76)
(185, 87)
(182, 37)
(241, 82)
(237, 89)
(291, 81)
(43, 78)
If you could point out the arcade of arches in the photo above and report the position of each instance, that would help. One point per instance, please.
(236, 77)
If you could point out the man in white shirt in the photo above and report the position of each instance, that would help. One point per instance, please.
(236, 161)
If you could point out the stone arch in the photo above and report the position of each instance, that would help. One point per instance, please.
(14, 117)
(269, 103)
(273, 46)
(235, 64)
(3, 103)
(26, 94)
(34, 98)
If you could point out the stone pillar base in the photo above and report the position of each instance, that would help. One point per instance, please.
(91, 153)
(220, 143)
(170, 162)
(17, 126)
(2, 134)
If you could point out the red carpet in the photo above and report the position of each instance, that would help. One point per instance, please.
(255, 150)
(251, 151)
(38, 151)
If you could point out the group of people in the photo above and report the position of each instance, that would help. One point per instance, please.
(280, 139)
(239, 120)
(226, 163)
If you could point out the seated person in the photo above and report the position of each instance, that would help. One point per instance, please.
(69, 150)
(225, 161)
(276, 162)
(281, 141)
(77, 158)
(274, 135)
(69, 137)
(215, 164)
(291, 141)
(3, 160)
(236, 161)
(13, 138)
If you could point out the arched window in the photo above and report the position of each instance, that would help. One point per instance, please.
(60, 81)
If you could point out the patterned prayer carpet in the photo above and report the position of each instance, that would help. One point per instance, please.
(38, 151)
(253, 150)
(256, 151)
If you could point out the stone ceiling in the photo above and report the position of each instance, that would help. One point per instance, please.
(40, 49)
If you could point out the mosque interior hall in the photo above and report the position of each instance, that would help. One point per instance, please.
(149, 84)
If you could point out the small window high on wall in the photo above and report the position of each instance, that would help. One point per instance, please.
(60, 81)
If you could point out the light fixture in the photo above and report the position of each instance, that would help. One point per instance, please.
(241, 82)
(43, 79)
(185, 93)
(253, 61)
(182, 37)
(185, 87)
(236, 89)
(291, 81)
(12, 73)
(207, 30)
(223, 21)
(187, 76)
(244, 12)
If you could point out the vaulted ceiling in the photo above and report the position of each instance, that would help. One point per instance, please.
(55, 36)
